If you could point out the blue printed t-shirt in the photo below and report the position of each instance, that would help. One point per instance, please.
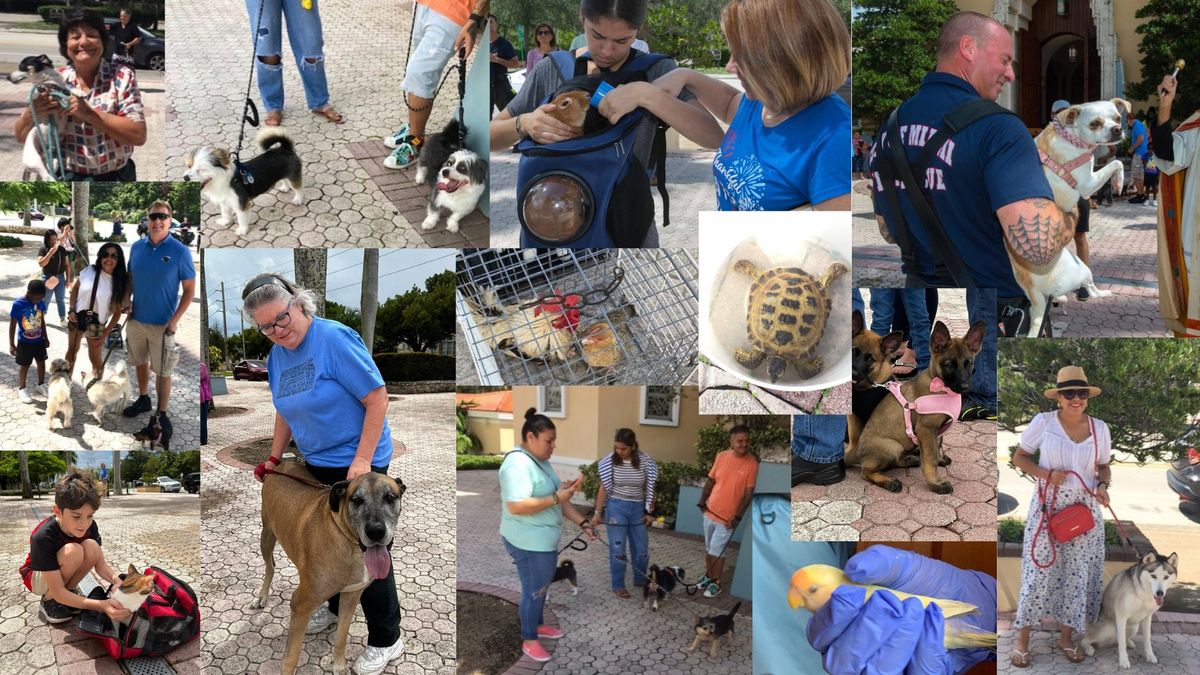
(31, 320)
(990, 164)
(799, 161)
(157, 271)
(1141, 149)
(318, 388)
(523, 476)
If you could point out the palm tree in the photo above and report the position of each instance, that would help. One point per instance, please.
(310, 266)
(203, 311)
(81, 216)
(26, 484)
(115, 474)
(369, 303)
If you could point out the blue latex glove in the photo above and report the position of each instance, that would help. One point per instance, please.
(887, 636)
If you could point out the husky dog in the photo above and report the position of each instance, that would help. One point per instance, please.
(1129, 604)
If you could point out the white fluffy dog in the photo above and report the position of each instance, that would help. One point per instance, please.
(111, 391)
(460, 183)
(58, 394)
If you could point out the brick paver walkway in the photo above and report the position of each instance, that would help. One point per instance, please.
(1173, 635)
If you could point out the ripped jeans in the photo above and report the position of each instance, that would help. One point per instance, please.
(307, 44)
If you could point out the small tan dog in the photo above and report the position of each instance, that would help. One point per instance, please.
(58, 394)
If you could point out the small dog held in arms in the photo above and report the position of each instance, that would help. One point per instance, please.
(58, 394)
(1129, 604)
(1065, 147)
(713, 629)
(660, 584)
(232, 189)
(39, 71)
(455, 175)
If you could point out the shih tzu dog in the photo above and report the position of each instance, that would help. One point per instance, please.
(456, 176)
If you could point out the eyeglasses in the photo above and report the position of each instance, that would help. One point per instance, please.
(1069, 394)
(281, 321)
(159, 216)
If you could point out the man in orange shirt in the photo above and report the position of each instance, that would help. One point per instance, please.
(725, 498)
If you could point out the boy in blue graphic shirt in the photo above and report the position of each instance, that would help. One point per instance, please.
(27, 338)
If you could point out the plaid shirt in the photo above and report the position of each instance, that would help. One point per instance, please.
(85, 148)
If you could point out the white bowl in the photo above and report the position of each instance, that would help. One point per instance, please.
(808, 240)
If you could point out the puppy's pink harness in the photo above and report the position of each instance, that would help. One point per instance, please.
(1063, 171)
(939, 401)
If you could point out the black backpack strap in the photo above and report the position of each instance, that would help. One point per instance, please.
(658, 158)
(953, 122)
(888, 178)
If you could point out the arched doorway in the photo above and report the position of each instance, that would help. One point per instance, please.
(1058, 56)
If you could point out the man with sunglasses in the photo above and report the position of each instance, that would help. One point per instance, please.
(159, 267)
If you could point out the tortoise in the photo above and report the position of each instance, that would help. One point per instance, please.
(785, 318)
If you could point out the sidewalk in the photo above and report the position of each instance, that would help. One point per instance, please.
(1123, 242)
(1174, 637)
(23, 426)
(604, 634)
(138, 529)
(242, 640)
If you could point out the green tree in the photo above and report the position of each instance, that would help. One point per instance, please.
(895, 45)
(420, 318)
(42, 465)
(350, 318)
(1168, 33)
(134, 464)
(214, 357)
(676, 29)
(20, 196)
(1151, 388)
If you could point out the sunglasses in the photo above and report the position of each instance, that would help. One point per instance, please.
(544, 32)
(282, 320)
(110, 254)
(1080, 394)
(159, 216)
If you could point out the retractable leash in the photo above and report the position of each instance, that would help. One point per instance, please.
(50, 143)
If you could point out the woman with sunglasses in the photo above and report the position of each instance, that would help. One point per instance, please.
(329, 396)
(96, 305)
(545, 41)
(1072, 467)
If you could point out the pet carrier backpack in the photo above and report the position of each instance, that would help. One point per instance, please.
(591, 191)
(169, 618)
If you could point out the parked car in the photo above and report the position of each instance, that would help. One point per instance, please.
(191, 483)
(167, 484)
(1184, 478)
(250, 369)
(34, 214)
(151, 52)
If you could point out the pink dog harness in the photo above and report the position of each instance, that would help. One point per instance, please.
(939, 401)
(1063, 171)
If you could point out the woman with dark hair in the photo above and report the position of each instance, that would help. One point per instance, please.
(56, 270)
(106, 121)
(627, 479)
(545, 41)
(534, 502)
(96, 304)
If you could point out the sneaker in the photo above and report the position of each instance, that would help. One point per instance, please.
(374, 659)
(1152, 202)
(713, 590)
(548, 633)
(535, 651)
(53, 611)
(404, 155)
(23, 394)
(1082, 293)
(976, 412)
(320, 620)
(704, 582)
(398, 137)
(817, 473)
(1139, 199)
(141, 405)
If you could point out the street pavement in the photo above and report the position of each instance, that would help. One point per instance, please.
(16, 44)
(23, 426)
(1123, 244)
(604, 633)
(141, 529)
(238, 639)
(1175, 644)
(364, 57)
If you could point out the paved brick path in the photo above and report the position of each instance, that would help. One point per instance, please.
(1174, 637)
(604, 634)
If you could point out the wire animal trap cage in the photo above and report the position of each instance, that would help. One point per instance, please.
(579, 316)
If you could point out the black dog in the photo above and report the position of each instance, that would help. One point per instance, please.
(713, 628)
(660, 583)
(436, 150)
(566, 572)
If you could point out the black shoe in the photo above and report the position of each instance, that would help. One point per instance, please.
(53, 611)
(817, 473)
(141, 405)
(1082, 294)
(167, 430)
(1139, 199)
(976, 412)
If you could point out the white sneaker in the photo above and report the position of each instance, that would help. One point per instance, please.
(24, 395)
(374, 659)
(397, 137)
(320, 620)
(1153, 202)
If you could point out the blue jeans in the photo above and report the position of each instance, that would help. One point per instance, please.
(536, 571)
(59, 294)
(883, 309)
(818, 438)
(981, 306)
(306, 41)
(623, 519)
(856, 301)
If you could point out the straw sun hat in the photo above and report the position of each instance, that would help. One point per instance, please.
(1071, 377)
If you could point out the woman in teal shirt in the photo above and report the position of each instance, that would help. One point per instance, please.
(533, 505)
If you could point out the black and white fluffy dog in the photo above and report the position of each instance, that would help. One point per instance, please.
(456, 177)
(40, 72)
(221, 182)
(660, 584)
(566, 572)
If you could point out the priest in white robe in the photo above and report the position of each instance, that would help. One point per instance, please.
(1177, 150)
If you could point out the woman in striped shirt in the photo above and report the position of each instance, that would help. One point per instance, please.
(627, 479)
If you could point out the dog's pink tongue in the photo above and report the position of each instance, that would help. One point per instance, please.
(449, 185)
(1158, 599)
(378, 561)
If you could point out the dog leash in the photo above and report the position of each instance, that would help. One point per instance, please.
(50, 143)
(322, 486)
(116, 329)
(249, 110)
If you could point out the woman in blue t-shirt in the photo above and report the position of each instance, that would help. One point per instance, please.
(329, 396)
(786, 143)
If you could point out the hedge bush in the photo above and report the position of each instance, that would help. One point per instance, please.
(415, 366)
(10, 242)
(478, 462)
(144, 13)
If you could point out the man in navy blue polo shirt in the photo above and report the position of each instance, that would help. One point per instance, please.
(159, 266)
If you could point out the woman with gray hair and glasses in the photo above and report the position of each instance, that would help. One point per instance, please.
(329, 396)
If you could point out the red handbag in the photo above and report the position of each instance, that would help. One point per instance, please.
(1069, 522)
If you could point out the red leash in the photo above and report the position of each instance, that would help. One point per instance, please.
(263, 469)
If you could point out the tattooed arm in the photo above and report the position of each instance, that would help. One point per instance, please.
(1035, 229)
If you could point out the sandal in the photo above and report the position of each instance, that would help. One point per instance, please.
(1072, 654)
(273, 118)
(1019, 659)
(621, 593)
(330, 114)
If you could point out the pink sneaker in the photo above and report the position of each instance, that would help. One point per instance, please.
(549, 633)
(534, 650)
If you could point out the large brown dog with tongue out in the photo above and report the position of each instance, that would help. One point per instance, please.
(337, 537)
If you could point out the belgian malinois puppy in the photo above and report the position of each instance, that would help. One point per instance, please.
(884, 443)
(870, 364)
